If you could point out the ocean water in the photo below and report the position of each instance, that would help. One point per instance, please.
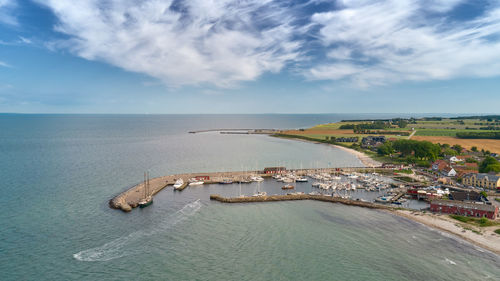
(58, 172)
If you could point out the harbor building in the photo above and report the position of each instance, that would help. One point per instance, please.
(464, 208)
(274, 170)
(488, 181)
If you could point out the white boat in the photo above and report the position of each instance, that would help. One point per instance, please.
(260, 193)
(304, 179)
(315, 184)
(195, 183)
(178, 183)
(336, 178)
(257, 179)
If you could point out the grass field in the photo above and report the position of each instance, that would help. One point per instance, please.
(324, 132)
(443, 132)
(486, 144)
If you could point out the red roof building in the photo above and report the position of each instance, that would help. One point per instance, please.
(464, 208)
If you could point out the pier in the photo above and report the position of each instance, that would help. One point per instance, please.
(239, 131)
(293, 197)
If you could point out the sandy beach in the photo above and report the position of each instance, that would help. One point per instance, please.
(365, 159)
(486, 238)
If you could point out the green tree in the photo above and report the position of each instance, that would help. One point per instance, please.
(385, 149)
(484, 194)
(474, 148)
(458, 148)
(402, 123)
(489, 164)
(449, 152)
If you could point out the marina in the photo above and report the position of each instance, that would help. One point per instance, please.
(354, 184)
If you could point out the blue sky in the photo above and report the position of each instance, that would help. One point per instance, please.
(253, 56)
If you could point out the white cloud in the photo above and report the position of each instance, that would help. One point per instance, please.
(394, 45)
(369, 42)
(6, 12)
(4, 64)
(25, 40)
(180, 42)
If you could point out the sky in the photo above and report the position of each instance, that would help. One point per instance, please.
(250, 56)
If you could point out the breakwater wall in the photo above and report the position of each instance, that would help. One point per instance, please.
(290, 197)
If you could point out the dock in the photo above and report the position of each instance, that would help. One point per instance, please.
(239, 131)
(293, 197)
(397, 197)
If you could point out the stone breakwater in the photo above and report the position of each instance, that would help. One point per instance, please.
(130, 198)
(290, 197)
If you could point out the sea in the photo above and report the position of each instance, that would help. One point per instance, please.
(57, 173)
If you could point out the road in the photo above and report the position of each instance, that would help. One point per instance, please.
(411, 135)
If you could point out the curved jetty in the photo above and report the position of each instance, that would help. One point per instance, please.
(130, 198)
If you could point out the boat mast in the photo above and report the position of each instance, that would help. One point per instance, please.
(145, 185)
(147, 189)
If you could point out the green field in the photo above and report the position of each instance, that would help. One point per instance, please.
(436, 128)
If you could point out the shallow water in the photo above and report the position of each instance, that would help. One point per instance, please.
(58, 172)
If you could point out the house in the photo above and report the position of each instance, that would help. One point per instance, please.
(455, 159)
(449, 172)
(274, 170)
(471, 166)
(482, 180)
(462, 171)
(439, 165)
(372, 141)
(346, 139)
(444, 180)
(443, 167)
(462, 158)
(466, 196)
(464, 208)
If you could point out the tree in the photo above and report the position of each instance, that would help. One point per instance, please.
(489, 164)
(484, 194)
(402, 123)
(474, 148)
(445, 146)
(449, 152)
(458, 148)
(385, 149)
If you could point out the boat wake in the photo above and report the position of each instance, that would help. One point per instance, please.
(124, 246)
(450, 261)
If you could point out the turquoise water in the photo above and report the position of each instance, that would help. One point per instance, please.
(58, 171)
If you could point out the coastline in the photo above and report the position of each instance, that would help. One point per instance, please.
(486, 240)
(363, 157)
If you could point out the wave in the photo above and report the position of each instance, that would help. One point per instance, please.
(124, 246)
(450, 261)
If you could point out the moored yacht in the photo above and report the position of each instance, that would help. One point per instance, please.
(178, 184)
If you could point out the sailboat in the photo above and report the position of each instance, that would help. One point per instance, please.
(259, 193)
(148, 199)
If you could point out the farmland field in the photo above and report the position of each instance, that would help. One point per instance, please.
(486, 144)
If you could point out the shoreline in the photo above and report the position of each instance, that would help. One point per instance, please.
(362, 157)
(488, 240)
